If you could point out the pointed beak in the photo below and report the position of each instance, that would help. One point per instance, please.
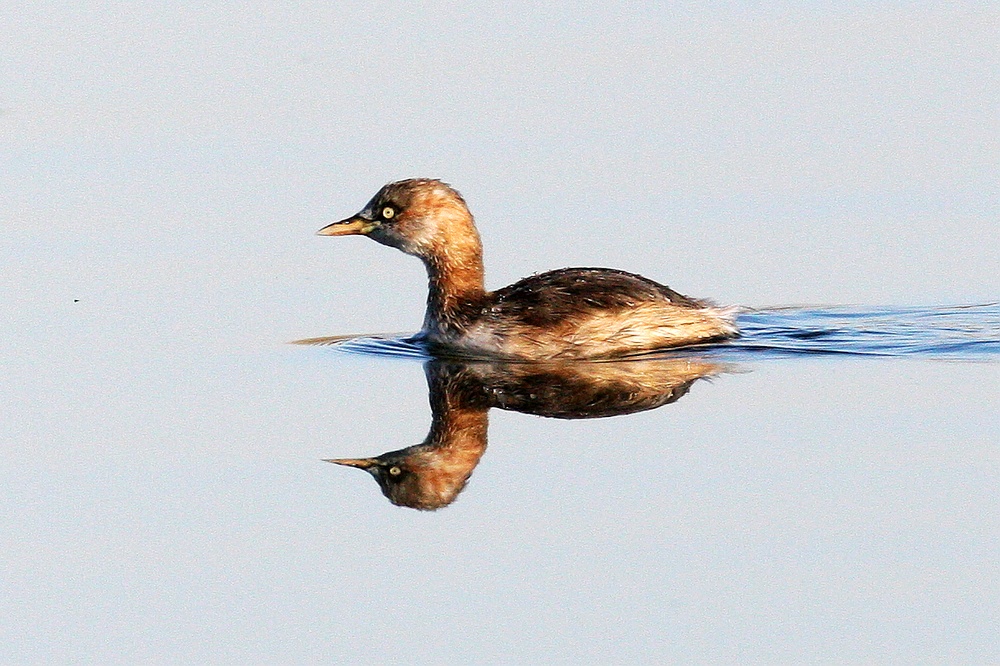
(352, 226)
(360, 463)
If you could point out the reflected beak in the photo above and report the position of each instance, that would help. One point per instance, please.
(352, 226)
(360, 463)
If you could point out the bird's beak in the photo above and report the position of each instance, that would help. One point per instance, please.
(360, 463)
(351, 226)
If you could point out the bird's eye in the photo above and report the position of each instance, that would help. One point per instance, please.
(388, 212)
(395, 470)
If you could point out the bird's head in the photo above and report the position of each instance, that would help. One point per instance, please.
(422, 217)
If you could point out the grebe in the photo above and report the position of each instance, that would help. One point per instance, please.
(570, 313)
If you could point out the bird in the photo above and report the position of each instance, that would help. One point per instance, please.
(560, 315)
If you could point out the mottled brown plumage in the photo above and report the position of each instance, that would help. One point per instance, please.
(571, 313)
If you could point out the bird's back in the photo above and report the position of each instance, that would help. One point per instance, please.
(547, 299)
(577, 313)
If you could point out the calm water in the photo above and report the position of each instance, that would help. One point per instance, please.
(823, 488)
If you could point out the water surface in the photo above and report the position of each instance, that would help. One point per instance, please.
(967, 332)
(824, 489)
(823, 485)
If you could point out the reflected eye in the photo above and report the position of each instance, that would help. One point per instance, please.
(395, 470)
(388, 212)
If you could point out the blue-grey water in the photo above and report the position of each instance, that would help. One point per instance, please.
(959, 333)
(824, 489)
(968, 332)
(830, 488)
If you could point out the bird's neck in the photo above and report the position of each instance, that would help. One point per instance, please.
(456, 285)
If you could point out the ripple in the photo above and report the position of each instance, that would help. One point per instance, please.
(958, 333)
(391, 345)
(962, 333)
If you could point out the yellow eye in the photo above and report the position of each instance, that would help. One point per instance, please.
(394, 471)
(388, 212)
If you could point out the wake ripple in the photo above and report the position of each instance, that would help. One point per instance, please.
(958, 333)
(961, 333)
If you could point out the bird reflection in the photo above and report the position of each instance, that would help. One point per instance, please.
(430, 475)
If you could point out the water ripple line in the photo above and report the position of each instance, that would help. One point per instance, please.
(958, 333)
